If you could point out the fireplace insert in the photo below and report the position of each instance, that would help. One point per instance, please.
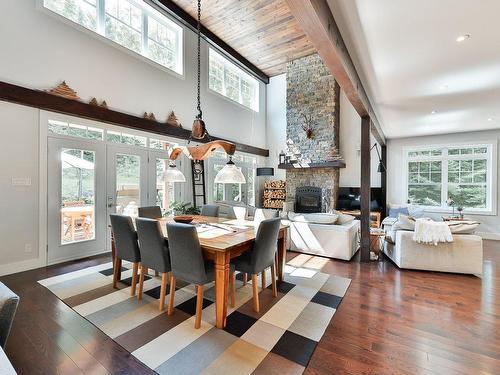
(308, 199)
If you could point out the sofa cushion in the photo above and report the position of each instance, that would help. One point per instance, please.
(394, 212)
(318, 218)
(343, 218)
(463, 227)
(404, 222)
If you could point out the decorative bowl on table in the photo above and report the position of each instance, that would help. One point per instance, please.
(183, 219)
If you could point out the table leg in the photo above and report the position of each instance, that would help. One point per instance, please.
(221, 288)
(281, 255)
(116, 271)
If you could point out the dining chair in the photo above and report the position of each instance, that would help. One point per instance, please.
(210, 210)
(127, 248)
(187, 262)
(154, 254)
(151, 212)
(261, 257)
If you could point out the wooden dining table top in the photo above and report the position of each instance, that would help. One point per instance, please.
(241, 232)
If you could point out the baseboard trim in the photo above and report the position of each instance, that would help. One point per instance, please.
(489, 236)
(24, 265)
(76, 257)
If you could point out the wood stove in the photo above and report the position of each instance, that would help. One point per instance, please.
(308, 199)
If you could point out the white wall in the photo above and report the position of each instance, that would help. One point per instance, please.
(18, 204)
(490, 224)
(350, 146)
(276, 122)
(39, 51)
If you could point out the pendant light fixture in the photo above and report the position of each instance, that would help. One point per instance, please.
(229, 174)
(172, 174)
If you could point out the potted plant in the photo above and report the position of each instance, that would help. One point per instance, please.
(183, 208)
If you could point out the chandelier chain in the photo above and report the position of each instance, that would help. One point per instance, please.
(199, 59)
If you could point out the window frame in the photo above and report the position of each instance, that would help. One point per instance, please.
(240, 74)
(491, 173)
(147, 11)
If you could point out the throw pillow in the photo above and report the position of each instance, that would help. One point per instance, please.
(343, 218)
(394, 212)
(463, 227)
(416, 212)
(404, 222)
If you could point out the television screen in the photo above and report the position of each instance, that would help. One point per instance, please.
(349, 199)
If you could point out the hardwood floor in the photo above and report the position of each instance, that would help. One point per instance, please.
(390, 322)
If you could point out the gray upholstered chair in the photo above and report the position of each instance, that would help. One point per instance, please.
(210, 210)
(188, 264)
(8, 306)
(126, 247)
(154, 254)
(151, 212)
(261, 257)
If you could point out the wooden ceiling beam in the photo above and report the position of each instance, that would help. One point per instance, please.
(317, 22)
(43, 100)
(171, 8)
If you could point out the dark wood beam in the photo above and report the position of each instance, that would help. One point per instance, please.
(171, 8)
(383, 181)
(42, 100)
(317, 22)
(365, 188)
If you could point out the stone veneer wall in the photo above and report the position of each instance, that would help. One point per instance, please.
(312, 90)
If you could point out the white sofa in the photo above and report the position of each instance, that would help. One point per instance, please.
(328, 240)
(463, 255)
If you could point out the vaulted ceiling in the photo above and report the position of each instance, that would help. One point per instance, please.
(263, 31)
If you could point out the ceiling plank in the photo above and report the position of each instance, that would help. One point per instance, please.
(317, 22)
(264, 31)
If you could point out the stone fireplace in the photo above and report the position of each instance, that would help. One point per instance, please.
(312, 129)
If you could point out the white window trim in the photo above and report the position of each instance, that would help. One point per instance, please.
(99, 35)
(241, 73)
(491, 177)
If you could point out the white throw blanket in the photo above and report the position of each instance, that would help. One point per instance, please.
(431, 232)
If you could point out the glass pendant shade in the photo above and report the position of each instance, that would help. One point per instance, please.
(172, 174)
(230, 174)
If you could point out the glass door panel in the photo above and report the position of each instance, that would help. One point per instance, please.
(127, 179)
(76, 204)
(128, 184)
(77, 195)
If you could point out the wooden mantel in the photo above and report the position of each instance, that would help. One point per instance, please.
(324, 164)
(43, 100)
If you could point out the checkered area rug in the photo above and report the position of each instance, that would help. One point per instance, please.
(280, 339)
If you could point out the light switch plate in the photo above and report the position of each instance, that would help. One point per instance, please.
(21, 181)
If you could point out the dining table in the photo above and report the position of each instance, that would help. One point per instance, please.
(221, 240)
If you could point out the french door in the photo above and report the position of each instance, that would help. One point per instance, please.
(126, 180)
(76, 206)
(89, 179)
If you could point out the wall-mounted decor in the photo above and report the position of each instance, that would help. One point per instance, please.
(172, 120)
(307, 124)
(149, 116)
(103, 104)
(64, 90)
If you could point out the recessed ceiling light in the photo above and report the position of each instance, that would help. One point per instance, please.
(434, 112)
(463, 37)
(490, 119)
